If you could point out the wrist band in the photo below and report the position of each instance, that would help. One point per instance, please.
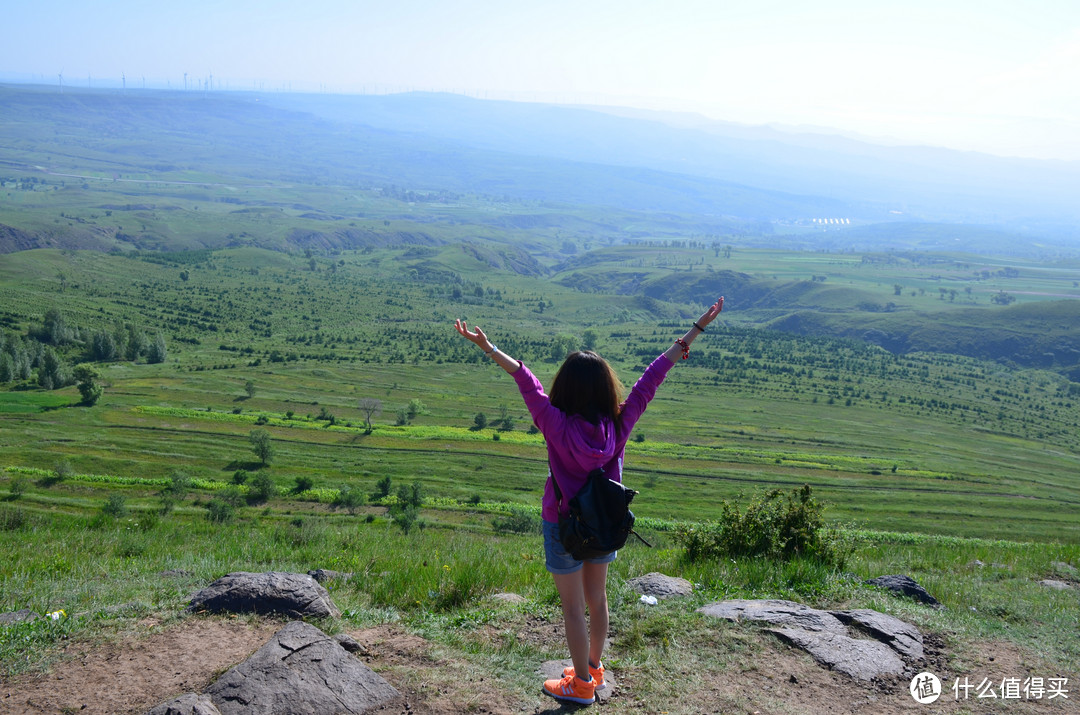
(699, 327)
(494, 349)
(685, 347)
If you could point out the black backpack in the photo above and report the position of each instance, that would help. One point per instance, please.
(600, 520)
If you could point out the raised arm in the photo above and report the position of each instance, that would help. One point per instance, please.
(679, 347)
(476, 335)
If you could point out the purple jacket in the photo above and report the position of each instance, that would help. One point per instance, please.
(575, 445)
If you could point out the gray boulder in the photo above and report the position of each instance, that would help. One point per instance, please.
(904, 586)
(293, 594)
(187, 704)
(324, 575)
(899, 635)
(776, 612)
(661, 586)
(1055, 584)
(300, 671)
(861, 659)
(24, 614)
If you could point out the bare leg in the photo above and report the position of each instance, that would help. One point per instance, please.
(595, 585)
(572, 594)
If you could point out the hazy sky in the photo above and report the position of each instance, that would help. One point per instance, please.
(988, 75)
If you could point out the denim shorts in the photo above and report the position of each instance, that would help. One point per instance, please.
(556, 558)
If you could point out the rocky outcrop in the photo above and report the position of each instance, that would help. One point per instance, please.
(293, 594)
(904, 586)
(661, 586)
(826, 636)
(187, 704)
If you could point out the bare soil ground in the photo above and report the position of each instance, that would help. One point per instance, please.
(135, 673)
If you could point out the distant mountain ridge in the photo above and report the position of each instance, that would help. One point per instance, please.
(922, 183)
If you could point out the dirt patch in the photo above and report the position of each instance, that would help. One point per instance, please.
(431, 681)
(782, 679)
(133, 674)
(136, 673)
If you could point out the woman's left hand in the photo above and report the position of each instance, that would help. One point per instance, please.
(476, 335)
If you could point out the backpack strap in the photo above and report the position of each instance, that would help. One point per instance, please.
(555, 482)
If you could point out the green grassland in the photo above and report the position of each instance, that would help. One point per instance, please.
(962, 443)
(926, 461)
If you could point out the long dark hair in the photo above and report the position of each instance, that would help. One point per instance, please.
(586, 385)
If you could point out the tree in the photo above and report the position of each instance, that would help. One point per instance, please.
(87, 376)
(102, 347)
(371, 407)
(480, 421)
(249, 388)
(261, 445)
(416, 407)
(897, 289)
(382, 489)
(136, 343)
(157, 351)
(51, 374)
(1002, 298)
(407, 507)
(588, 339)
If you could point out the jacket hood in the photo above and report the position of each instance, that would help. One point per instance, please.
(588, 445)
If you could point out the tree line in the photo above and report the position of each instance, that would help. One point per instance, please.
(56, 353)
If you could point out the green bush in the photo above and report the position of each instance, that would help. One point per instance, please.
(348, 497)
(13, 519)
(302, 484)
(219, 511)
(773, 525)
(260, 489)
(115, 506)
(518, 521)
(18, 485)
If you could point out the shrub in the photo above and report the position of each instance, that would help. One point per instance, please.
(239, 477)
(114, 507)
(302, 484)
(18, 485)
(219, 512)
(771, 525)
(13, 519)
(348, 497)
(260, 489)
(518, 521)
(62, 471)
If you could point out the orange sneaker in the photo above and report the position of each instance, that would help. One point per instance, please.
(571, 688)
(596, 673)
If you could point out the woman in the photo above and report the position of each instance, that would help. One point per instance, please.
(586, 425)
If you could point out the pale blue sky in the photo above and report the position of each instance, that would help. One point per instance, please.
(987, 75)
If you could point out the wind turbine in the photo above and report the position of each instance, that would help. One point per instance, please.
(185, 81)
(61, 76)
(123, 82)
